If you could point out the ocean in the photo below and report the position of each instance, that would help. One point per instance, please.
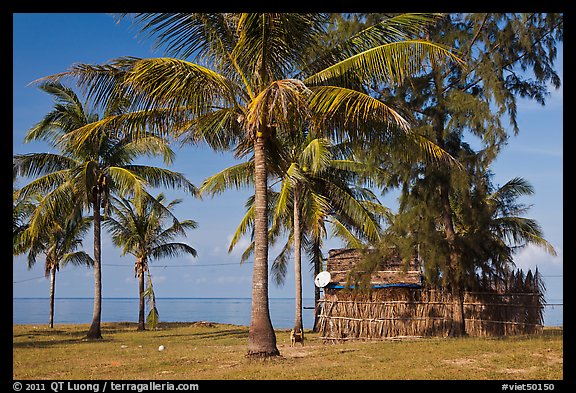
(221, 310)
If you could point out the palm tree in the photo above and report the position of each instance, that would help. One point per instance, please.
(489, 228)
(139, 228)
(315, 188)
(250, 83)
(88, 170)
(58, 243)
(320, 190)
(497, 231)
(22, 209)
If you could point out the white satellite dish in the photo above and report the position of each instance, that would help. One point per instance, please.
(322, 279)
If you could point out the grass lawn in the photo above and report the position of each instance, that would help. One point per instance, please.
(200, 351)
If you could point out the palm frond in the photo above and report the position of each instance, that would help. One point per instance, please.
(340, 230)
(316, 155)
(247, 253)
(126, 181)
(44, 184)
(171, 250)
(520, 230)
(151, 146)
(280, 264)
(246, 224)
(353, 109)
(52, 207)
(39, 164)
(178, 228)
(512, 189)
(185, 35)
(160, 177)
(67, 114)
(78, 258)
(172, 84)
(270, 44)
(150, 296)
(101, 83)
(395, 29)
(390, 63)
(220, 128)
(236, 176)
(285, 191)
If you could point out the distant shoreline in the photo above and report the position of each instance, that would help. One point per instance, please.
(169, 297)
(35, 310)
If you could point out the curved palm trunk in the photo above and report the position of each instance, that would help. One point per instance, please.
(52, 290)
(298, 262)
(94, 333)
(261, 337)
(142, 308)
(317, 308)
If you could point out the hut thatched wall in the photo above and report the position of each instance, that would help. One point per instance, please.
(509, 306)
(396, 311)
(341, 262)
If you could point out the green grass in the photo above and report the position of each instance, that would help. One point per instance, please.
(217, 351)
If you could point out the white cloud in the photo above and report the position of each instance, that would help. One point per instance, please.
(129, 279)
(190, 258)
(233, 279)
(159, 279)
(200, 280)
(554, 152)
(532, 256)
(241, 245)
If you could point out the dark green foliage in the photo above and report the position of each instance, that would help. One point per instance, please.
(455, 218)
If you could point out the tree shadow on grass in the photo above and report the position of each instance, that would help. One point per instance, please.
(52, 337)
(40, 333)
(228, 333)
(77, 338)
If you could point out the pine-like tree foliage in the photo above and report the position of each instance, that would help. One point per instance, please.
(460, 221)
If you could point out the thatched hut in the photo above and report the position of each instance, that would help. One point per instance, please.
(394, 301)
(343, 266)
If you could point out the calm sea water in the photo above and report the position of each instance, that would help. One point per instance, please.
(222, 310)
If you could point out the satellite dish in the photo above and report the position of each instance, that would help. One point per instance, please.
(322, 279)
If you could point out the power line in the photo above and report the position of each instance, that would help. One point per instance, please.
(131, 266)
(28, 279)
(154, 265)
(201, 265)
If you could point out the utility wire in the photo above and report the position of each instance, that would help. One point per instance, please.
(154, 265)
(203, 265)
(28, 279)
(131, 266)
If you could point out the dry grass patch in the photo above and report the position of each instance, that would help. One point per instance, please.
(198, 351)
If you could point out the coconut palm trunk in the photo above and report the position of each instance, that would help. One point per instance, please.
(95, 333)
(142, 307)
(52, 291)
(261, 337)
(317, 307)
(298, 261)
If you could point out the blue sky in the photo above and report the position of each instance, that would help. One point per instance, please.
(45, 44)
